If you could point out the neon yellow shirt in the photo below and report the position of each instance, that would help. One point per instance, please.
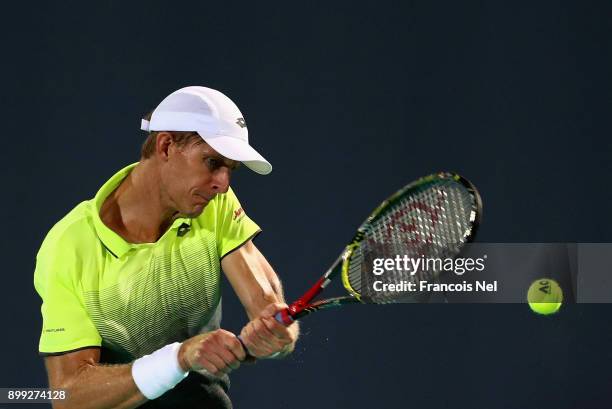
(131, 299)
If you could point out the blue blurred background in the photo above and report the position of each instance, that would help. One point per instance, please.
(348, 101)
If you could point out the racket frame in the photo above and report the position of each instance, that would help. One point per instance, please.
(303, 306)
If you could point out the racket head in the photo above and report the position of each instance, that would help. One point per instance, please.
(433, 217)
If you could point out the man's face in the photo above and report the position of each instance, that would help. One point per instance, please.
(193, 176)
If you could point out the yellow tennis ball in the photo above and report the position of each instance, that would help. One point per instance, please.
(545, 296)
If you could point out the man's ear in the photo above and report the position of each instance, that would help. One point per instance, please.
(163, 144)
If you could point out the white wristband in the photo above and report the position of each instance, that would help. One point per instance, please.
(159, 372)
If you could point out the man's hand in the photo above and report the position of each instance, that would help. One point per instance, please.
(218, 352)
(264, 336)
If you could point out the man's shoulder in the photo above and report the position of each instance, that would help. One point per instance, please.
(75, 229)
(222, 205)
(69, 242)
(228, 201)
(228, 196)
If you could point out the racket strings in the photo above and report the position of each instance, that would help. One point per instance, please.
(430, 224)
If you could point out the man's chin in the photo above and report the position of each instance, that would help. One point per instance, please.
(195, 211)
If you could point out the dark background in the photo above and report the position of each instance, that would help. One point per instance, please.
(348, 101)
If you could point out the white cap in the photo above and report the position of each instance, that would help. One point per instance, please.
(214, 117)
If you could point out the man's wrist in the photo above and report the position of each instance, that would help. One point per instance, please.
(158, 372)
(182, 360)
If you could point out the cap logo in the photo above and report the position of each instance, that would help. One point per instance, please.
(241, 123)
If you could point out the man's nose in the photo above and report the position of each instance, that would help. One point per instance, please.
(221, 180)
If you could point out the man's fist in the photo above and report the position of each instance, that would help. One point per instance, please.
(218, 352)
(264, 336)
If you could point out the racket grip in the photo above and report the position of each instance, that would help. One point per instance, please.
(243, 344)
(249, 357)
(283, 317)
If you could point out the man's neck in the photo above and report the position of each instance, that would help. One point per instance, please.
(135, 210)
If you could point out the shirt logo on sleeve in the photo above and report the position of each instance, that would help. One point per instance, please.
(238, 214)
(55, 330)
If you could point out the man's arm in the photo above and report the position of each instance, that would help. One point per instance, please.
(261, 294)
(91, 385)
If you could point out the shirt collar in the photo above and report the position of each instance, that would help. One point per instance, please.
(114, 243)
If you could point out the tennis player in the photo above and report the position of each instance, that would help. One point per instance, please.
(130, 280)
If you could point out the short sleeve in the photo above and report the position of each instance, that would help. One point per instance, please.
(66, 323)
(234, 227)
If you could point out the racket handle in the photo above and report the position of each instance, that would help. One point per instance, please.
(243, 344)
(249, 357)
(283, 317)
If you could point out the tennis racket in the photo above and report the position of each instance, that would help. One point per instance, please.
(431, 218)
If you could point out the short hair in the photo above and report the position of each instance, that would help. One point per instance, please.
(180, 138)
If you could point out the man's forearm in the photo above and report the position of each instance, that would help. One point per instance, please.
(101, 387)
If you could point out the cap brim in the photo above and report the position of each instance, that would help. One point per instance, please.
(236, 149)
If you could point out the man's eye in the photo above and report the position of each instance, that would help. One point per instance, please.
(212, 163)
(216, 163)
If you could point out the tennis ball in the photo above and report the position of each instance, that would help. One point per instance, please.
(545, 296)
